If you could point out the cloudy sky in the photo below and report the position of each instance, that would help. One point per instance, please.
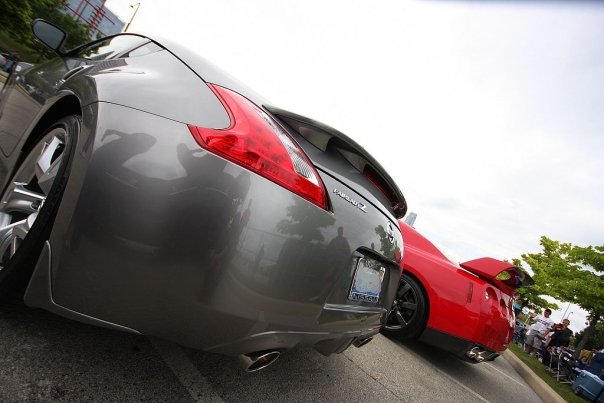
(489, 115)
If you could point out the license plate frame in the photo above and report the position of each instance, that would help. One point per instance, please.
(367, 281)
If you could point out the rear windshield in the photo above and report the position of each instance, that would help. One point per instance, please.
(110, 48)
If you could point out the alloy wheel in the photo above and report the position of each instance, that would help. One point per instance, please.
(404, 307)
(25, 195)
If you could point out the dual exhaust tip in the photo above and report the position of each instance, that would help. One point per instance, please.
(253, 362)
(477, 354)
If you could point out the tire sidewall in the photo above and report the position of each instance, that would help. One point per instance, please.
(15, 276)
(418, 322)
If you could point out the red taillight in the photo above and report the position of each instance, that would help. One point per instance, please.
(254, 140)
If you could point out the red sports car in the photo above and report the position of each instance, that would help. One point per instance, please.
(465, 308)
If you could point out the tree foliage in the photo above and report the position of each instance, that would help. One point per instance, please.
(595, 341)
(16, 18)
(50, 10)
(532, 297)
(570, 273)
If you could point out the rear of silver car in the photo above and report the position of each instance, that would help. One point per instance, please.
(167, 230)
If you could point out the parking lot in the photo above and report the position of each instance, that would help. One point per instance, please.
(44, 357)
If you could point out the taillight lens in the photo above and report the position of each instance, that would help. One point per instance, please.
(379, 183)
(255, 141)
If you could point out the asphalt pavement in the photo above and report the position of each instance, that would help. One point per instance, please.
(44, 357)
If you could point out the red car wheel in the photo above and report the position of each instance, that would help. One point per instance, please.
(409, 314)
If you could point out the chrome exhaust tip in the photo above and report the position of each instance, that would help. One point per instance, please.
(477, 354)
(253, 362)
(473, 353)
(361, 341)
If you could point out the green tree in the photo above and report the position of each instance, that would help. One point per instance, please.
(16, 18)
(52, 11)
(595, 341)
(532, 297)
(571, 274)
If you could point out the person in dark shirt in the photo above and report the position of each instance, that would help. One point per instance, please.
(560, 337)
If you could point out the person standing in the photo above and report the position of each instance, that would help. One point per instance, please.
(560, 337)
(536, 332)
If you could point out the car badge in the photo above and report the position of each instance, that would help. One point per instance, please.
(350, 200)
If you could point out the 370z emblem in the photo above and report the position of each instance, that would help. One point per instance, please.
(350, 200)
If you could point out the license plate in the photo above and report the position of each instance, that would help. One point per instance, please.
(367, 282)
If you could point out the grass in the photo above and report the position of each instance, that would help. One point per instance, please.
(563, 389)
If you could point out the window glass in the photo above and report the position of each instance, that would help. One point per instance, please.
(110, 48)
(144, 50)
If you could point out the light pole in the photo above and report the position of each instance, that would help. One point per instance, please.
(137, 5)
(567, 306)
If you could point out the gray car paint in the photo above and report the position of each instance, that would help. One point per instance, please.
(150, 237)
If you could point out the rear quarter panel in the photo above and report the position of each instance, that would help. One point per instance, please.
(457, 298)
(166, 238)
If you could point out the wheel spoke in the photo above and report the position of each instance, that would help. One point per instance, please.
(7, 230)
(14, 245)
(401, 320)
(46, 179)
(46, 167)
(45, 159)
(10, 236)
(403, 290)
(412, 306)
(20, 199)
(22, 227)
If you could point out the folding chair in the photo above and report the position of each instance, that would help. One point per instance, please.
(565, 372)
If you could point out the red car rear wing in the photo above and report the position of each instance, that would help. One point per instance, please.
(504, 275)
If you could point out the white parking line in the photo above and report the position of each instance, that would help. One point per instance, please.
(188, 375)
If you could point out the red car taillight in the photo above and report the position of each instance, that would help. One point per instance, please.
(255, 141)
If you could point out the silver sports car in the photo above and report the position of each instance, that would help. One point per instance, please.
(145, 190)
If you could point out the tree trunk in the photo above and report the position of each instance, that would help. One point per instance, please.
(589, 331)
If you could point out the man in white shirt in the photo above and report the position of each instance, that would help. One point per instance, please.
(537, 331)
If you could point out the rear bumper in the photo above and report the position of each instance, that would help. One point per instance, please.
(324, 342)
(465, 349)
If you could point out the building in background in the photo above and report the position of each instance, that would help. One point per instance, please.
(100, 19)
(410, 219)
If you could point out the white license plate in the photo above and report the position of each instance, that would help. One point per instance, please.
(367, 282)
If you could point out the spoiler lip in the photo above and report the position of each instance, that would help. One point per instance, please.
(400, 208)
(489, 269)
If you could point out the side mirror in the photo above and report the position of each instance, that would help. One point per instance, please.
(49, 34)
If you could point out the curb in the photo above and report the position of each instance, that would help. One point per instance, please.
(542, 389)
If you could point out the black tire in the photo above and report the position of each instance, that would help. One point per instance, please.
(21, 243)
(409, 313)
